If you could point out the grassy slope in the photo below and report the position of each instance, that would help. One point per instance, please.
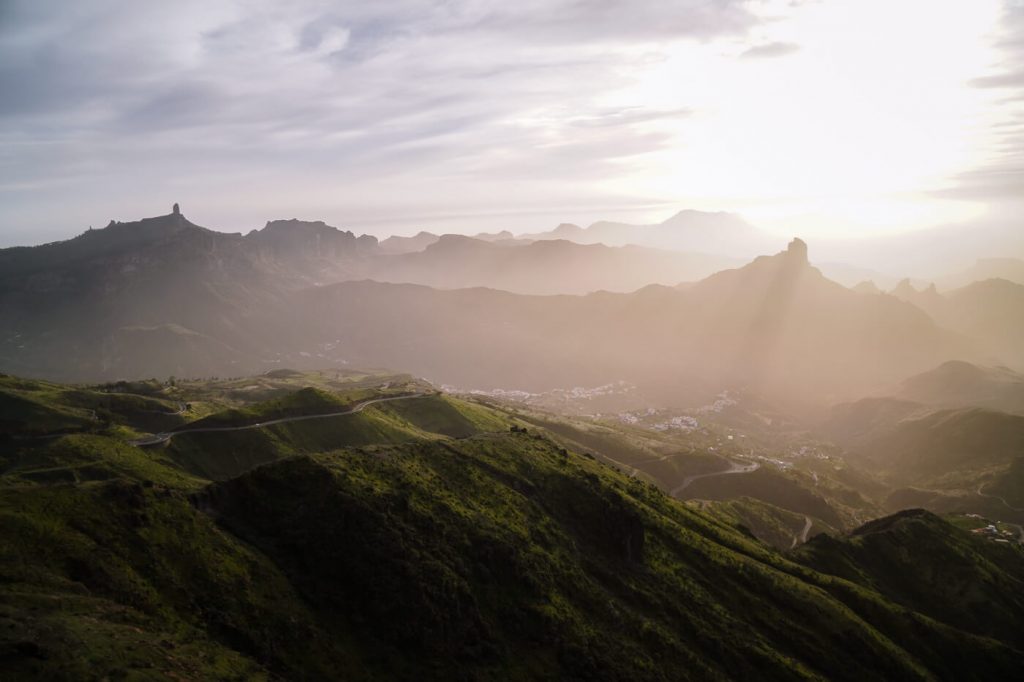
(305, 401)
(500, 557)
(650, 456)
(91, 457)
(768, 485)
(219, 456)
(443, 547)
(115, 579)
(35, 408)
(919, 560)
(937, 448)
(770, 524)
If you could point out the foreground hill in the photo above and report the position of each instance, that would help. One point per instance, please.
(918, 560)
(462, 549)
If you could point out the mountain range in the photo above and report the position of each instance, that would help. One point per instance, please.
(306, 519)
(166, 297)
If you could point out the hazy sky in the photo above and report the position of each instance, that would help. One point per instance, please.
(824, 118)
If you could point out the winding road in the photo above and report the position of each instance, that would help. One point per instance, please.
(1020, 528)
(997, 497)
(802, 538)
(734, 468)
(158, 438)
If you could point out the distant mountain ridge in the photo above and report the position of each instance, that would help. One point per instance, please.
(543, 266)
(688, 230)
(991, 312)
(776, 322)
(915, 445)
(1011, 269)
(957, 428)
(961, 384)
(166, 296)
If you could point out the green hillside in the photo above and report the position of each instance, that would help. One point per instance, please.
(916, 445)
(772, 525)
(428, 537)
(917, 559)
(771, 486)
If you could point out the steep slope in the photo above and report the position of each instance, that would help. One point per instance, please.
(916, 559)
(626, 539)
(774, 526)
(121, 579)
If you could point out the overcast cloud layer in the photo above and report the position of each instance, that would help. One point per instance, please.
(392, 116)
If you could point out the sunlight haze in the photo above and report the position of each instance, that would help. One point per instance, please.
(827, 119)
(479, 341)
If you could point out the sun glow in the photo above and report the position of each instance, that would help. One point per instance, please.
(848, 130)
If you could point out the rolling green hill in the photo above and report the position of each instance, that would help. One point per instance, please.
(916, 559)
(427, 537)
(771, 486)
(916, 446)
(770, 524)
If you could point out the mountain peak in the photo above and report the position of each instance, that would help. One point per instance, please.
(867, 287)
(797, 250)
(457, 242)
(565, 229)
(904, 289)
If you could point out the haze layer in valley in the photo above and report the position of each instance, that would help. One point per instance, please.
(164, 296)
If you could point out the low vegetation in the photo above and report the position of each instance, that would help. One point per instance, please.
(436, 538)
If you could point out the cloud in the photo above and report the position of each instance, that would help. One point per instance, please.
(118, 94)
(604, 118)
(1001, 178)
(770, 50)
(1009, 79)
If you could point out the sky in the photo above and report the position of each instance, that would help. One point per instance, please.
(828, 118)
